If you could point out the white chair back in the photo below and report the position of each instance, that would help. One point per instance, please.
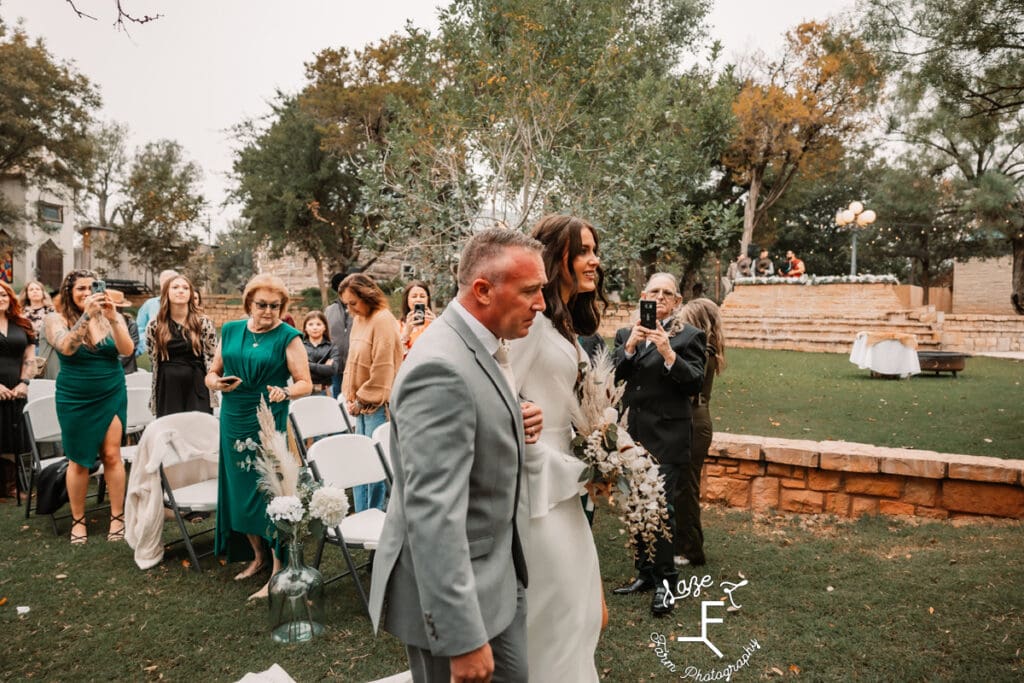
(139, 414)
(41, 387)
(347, 460)
(314, 416)
(382, 437)
(140, 379)
(42, 413)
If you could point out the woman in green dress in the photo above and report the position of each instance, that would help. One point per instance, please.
(92, 402)
(255, 359)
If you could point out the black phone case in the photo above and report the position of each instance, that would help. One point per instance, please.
(648, 314)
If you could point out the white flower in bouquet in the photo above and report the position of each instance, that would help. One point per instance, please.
(285, 509)
(329, 505)
(612, 457)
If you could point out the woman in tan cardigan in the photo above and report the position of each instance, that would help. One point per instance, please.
(374, 354)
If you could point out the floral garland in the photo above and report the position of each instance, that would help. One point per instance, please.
(613, 459)
(297, 504)
(865, 279)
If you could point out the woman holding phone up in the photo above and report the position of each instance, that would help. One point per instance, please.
(92, 402)
(256, 358)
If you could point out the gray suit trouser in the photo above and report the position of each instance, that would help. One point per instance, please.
(508, 649)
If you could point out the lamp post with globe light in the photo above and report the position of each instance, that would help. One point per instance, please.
(857, 217)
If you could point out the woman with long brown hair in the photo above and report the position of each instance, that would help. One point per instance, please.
(92, 401)
(181, 343)
(374, 354)
(565, 593)
(17, 367)
(689, 538)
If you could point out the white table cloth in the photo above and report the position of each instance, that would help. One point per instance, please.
(887, 357)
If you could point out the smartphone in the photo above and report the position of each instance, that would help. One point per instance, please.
(420, 311)
(99, 286)
(232, 379)
(649, 314)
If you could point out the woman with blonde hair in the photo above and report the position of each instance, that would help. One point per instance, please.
(35, 306)
(92, 401)
(181, 343)
(374, 354)
(689, 539)
(254, 361)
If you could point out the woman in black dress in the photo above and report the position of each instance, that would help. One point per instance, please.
(181, 343)
(17, 366)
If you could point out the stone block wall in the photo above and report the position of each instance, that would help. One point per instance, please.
(981, 333)
(983, 286)
(850, 479)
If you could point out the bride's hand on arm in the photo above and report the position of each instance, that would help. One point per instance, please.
(533, 421)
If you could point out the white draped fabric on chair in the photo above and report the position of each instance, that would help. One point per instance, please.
(187, 447)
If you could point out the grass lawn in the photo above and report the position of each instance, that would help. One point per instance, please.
(822, 396)
(827, 600)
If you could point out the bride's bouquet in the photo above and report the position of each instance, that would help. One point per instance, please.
(297, 503)
(614, 461)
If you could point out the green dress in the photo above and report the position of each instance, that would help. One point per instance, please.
(260, 360)
(90, 393)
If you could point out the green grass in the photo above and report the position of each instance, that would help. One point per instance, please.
(822, 397)
(909, 601)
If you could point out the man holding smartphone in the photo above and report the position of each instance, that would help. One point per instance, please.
(661, 360)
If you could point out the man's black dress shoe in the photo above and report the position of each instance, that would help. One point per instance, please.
(660, 603)
(638, 586)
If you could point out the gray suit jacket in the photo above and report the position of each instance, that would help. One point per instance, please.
(449, 562)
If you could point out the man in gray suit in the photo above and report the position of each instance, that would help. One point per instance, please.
(449, 574)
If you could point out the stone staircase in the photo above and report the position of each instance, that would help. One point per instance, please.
(823, 318)
(826, 333)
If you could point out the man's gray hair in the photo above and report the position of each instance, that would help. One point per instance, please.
(166, 275)
(480, 255)
(669, 276)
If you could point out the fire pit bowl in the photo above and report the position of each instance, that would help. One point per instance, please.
(942, 361)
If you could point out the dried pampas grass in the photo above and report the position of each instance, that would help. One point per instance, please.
(278, 469)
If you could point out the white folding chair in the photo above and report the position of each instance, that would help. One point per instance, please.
(344, 461)
(189, 485)
(41, 387)
(42, 429)
(316, 416)
(382, 440)
(138, 417)
(140, 379)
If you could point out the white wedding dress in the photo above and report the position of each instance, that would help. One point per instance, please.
(563, 599)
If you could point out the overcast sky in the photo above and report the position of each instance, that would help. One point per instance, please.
(206, 65)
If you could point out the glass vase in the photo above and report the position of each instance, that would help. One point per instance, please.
(296, 600)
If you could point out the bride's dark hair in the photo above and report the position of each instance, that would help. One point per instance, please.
(560, 236)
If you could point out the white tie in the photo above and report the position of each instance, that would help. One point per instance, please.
(501, 356)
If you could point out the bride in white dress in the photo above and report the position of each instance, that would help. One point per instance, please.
(565, 603)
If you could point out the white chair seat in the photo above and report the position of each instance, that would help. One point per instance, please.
(362, 528)
(199, 497)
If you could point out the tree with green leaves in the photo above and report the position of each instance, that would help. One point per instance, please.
(45, 111)
(161, 208)
(105, 174)
(519, 107)
(798, 114)
(920, 218)
(298, 195)
(233, 258)
(961, 100)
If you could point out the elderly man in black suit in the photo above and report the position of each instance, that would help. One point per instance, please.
(663, 369)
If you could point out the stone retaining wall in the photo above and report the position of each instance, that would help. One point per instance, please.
(851, 479)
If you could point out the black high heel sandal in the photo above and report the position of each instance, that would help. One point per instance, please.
(116, 536)
(78, 539)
